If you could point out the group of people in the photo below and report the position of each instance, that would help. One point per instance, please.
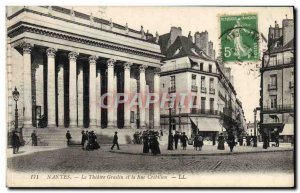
(89, 140)
(230, 141)
(150, 142)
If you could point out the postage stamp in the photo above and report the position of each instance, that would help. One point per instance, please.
(239, 38)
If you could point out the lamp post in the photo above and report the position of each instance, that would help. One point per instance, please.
(16, 95)
(179, 117)
(170, 139)
(255, 137)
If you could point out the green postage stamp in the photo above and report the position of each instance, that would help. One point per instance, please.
(239, 38)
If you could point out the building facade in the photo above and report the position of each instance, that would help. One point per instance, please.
(62, 62)
(277, 83)
(209, 95)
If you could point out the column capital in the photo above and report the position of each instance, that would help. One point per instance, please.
(157, 71)
(143, 68)
(127, 65)
(51, 52)
(92, 59)
(111, 63)
(27, 47)
(73, 56)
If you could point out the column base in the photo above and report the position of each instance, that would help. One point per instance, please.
(127, 127)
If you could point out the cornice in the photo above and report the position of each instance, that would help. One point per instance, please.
(22, 27)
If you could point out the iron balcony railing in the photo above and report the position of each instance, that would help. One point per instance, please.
(203, 90)
(172, 89)
(272, 87)
(279, 107)
(205, 111)
(194, 88)
(212, 91)
(291, 84)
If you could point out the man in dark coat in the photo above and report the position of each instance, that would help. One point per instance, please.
(15, 142)
(214, 139)
(146, 143)
(115, 142)
(34, 138)
(83, 138)
(221, 142)
(231, 141)
(68, 136)
(176, 139)
(156, 149)
(184, 140)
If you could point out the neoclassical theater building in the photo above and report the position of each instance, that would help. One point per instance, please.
(62, 62)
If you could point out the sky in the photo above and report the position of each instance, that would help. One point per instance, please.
(161, 18)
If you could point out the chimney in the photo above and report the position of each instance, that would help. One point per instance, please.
(190, 37)
(210, 49)
(287, 30)
(174, 33)
(201, 41)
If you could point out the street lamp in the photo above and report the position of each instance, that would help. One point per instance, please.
(170, 139)
(16, 95)
(179, 116)
(255, 137)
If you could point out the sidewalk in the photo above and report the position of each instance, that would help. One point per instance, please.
(206, 150)
(28, 149)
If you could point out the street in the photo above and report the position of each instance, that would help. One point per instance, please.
(74, 159)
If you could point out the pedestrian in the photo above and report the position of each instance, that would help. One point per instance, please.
(156, 149)
(95, 144)
(176, 139)
(184, 140)
(15, 142)
(34, 138)
(146, 143)
(200, 141)
(171, 140)
(221, 142)
(265, 141)
(83, 138)
(248, 140)
(86, 142)
(231, 141)
(69, 137)
(115, 141)
(214, 139)
(196, 142)
(276, 141)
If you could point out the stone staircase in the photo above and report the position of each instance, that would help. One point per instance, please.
(57, 136)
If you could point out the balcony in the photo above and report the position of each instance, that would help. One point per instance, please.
(278, 108)
(205, 111)
(172, 89)
(272, 87)
(212, 91)
(194, 88)
(203, 90)
(291, 85)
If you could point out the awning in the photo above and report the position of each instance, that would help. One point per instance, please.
(288, 129)
(207, 124)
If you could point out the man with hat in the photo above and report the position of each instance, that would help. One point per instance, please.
(68, 136)
(115, 142)
(176, 138)
(15, 142)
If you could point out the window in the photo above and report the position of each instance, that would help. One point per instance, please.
(210, 68)
(131, 116)
(273, 101)
(202, 81)
(201, 66)
(202, 104)
(273, 61)
(273, 80)
(172, 84)
(211, 83)
(211, 105)
(194, 79)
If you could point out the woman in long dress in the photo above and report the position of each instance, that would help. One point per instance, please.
(221, 142)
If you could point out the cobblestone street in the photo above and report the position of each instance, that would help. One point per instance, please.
(74, 159)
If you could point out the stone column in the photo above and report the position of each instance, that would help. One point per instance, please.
(115, 100)
(51, 88)
(60, 96)
(142, 96)
(110, 92)
(98, 98)
(72, 89)
(27, 84)
(127, 93)
(92, 91)
(156, 106)
(80, 113)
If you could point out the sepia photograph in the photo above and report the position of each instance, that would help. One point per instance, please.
(150, 96)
